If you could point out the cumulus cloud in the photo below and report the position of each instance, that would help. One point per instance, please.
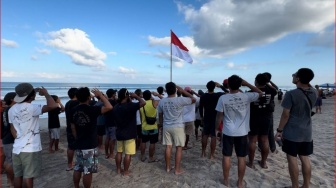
(9, 43)
(48, 75)
(9, 74)
(77, 45)
(34, 58)
(127, 72)
(224, 27)
(42, 51)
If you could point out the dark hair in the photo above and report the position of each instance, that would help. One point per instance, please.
(138, 92)
(268, 76)
(31, 94)
(160, 90)
(305, 75)
(147, 95)
(178, 93)
(170, 88)
(122, 94)
(55, 97)
(9, 97)
(261, 79)
(200, 92)
(110, 92)
(72, 92)
(83, 94)
(234, 82)
(211, 86)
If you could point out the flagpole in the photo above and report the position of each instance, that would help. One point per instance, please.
(171, 59)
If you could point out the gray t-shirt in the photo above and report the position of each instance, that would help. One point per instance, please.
(299, 125)
(172, 109)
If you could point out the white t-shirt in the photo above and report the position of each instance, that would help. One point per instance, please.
(25, 119)
(236, 108)
(138, 120)
(189, 112)
(172, 109)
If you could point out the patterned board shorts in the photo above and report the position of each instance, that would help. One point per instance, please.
(87, 161)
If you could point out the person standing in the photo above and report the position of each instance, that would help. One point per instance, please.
(84, 129)
(23, 117)
(295, 126)
(235, 108)
(261, 120)
(318, 104)
(54, 124)
(124, 114)
(170, 114)
(280, 94)
(70, 138)
(110, 138)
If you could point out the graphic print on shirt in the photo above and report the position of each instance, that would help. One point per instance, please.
(24, 117)
(236, 104)
(81, 118)
(263, 101)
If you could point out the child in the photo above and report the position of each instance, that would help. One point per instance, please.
(54, 124)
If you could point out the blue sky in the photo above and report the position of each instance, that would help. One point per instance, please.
(86, 41)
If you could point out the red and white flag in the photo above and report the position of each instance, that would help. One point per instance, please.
(178, 49)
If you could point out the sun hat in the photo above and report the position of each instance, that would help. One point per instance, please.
(9, 97)
(22, 91)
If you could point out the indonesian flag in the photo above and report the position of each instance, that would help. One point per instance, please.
(178, 49)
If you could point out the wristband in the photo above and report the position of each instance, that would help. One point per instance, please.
(279, 130)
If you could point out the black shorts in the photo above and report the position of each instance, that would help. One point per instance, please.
(152, 138)
(100, 130)
(209, 129)
(71, 141)
(260, 126)
(240, 143)
(297, 148)
(197, 123)
(139, 131)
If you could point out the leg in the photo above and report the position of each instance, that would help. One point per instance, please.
(70, 155)
(107, 145)
(226, 165)
(293, 170)
(56, 144)
(87, 180)
(252, 148)
(151, 152)
(204, 144)
(271, 140)
(9, 173)
(143, 151)
(127, 162)
(264, 150)
(51, 143)
(186, 142)
(306, 170)
(167, 157)
(76, 178)
(112, 145)
(178, 158)
(118, 161)
(100, 142)
(28, 182)
(212, 147)
(241, 171)
(18, 182)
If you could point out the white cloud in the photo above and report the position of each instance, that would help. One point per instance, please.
(9, 43)
(127, 72)
(77, 45)
(48, 75)
(9, 74)
(112, 53)
(34, 58)
(42, 51)
(224, 27)
(323, 39)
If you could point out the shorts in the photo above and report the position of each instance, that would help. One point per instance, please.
(86, 161)
(198, 123)
(318, 101)
(8, 149)
(55, 133)
(27, 164)
(240, 143)
(260, 126)
(71, 140)
(209, 129)
(127, 146)
(174, 135)
(100, 130)
(111, 132)
(297, 148)
(139, 130)
(189, 128)
(152, 138)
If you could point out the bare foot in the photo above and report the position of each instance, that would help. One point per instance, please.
(241, 184)
(251, 166)
(169, 169)
(178, 172)
(120, 171)
(51, 151)
(127, 173)
(226, 182)
(212, 157)
(203, 155)
(263, 165)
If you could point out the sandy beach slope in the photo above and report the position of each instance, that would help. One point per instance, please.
(199, 172)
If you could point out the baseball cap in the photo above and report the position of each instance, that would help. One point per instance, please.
(111, 92)
(22, 91)
(187, 88)
(9, 97)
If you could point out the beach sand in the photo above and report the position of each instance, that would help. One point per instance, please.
(199, 172)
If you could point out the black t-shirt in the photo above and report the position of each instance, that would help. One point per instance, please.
(124, 115)
(280, 94)
(6, 135)
(208, 103)
(68, 107)
(264, 106)
(109, 121)
(84, 117)
(53, 119)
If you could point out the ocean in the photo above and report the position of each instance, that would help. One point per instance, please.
(61, 89)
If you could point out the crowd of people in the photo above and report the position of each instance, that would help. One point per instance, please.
(128, 121)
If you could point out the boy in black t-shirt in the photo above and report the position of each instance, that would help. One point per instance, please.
(54, 124)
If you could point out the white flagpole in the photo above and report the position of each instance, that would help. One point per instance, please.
(171, 60)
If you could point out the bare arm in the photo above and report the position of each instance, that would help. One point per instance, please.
(141, 101)
(253, 88)
(60, 103)
(51, 104)
(219, 118)
(283, 120)
(182, 91)
(161, 118)
(13, 131)
(157, 94)
(107, 105)
(73, 129)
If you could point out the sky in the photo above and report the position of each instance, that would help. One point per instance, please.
(113, 41)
